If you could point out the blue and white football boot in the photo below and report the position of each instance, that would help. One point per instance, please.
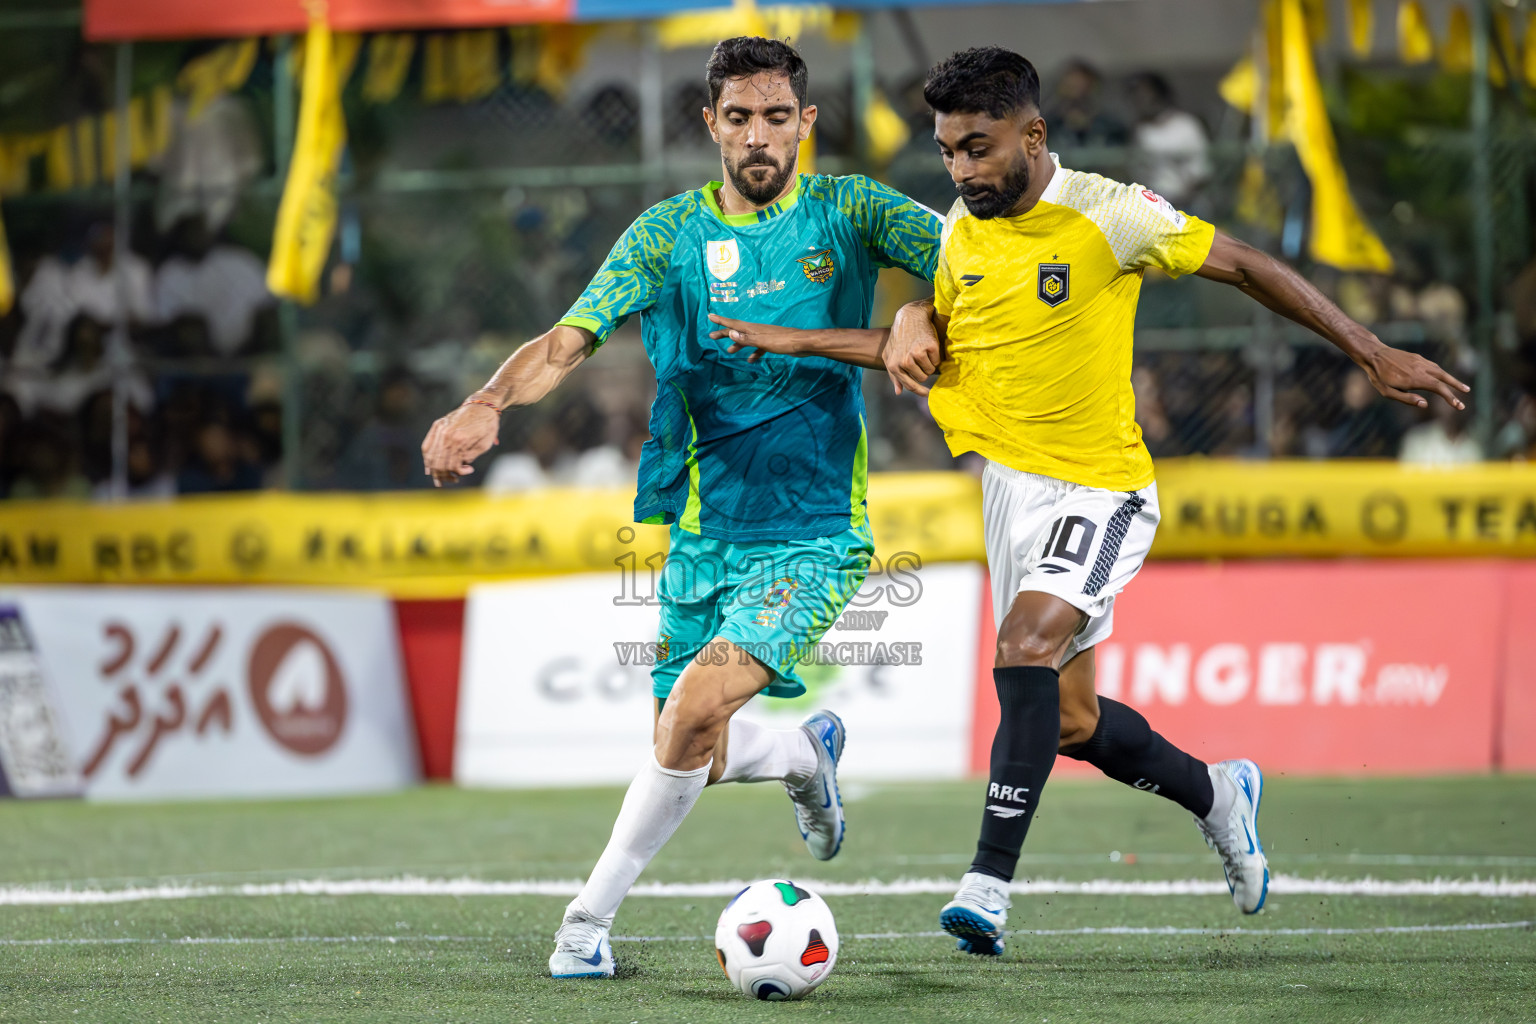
(1232, 830)
(582, 949)
(977, 914)
(818, 804)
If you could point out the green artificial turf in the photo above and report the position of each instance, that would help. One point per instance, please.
(481, 958)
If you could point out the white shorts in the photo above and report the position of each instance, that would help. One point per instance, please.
(1081, 544)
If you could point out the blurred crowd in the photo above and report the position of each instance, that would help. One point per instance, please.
(171, 345)
(164, 342)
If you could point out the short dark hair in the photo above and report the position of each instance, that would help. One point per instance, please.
(983, 80)
(745, 56)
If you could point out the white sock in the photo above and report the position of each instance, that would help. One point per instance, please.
(1223, 795)
(755, 754)
(657, 802)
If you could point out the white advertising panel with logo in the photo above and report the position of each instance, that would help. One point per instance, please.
(556, 684)
(214, 692)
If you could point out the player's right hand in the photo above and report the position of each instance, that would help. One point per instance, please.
(456, 440)
(913, 352)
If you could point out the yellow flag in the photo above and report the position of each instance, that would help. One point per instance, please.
(887, 131)
(561, 52)
(1456, 54)
(149, 126)
(705, 28)
(1240, 86)
(389, 60)
(216, 72)
(1501, 50)
(1362, 23)
(805, 162)
(1340, 236)
(1415, 43)
(460, 66)
(1257, 201)
(306, 218)
(1530, 50)
(60, 159)
(7, 283)
(1316, 12)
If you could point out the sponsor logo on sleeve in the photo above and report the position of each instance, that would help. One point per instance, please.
(1164, 207)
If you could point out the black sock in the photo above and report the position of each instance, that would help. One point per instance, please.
(1125, 748)
(1023, 752)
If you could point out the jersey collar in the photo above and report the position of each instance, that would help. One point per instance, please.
(712, 202)
(1054, 186)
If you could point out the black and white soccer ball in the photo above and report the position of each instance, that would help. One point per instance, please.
(776, 940)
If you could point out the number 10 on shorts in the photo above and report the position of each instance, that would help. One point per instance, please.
(1071, 539)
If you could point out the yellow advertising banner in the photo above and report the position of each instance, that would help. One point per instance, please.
(438, 543)
(1217, 508)
(416, 544)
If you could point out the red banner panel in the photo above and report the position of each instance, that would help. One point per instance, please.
(431, 645)
(1517, 739)
(1314, 667)
(183, 19)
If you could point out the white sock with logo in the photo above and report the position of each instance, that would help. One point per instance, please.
(756, 754)
(656, 803)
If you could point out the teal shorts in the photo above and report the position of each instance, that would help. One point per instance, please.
(773, 599)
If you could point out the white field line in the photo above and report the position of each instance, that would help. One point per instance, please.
(234, 940)
(1281, 885)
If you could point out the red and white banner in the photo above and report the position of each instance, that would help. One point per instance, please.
(1307, 667)
(556, 686)
(223, 692)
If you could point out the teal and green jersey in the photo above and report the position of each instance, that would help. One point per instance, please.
(776, 449)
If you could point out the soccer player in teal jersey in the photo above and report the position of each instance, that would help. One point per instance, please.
(758, 466)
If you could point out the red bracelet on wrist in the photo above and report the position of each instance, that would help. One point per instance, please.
(481, 401)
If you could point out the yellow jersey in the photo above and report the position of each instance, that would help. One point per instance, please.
(1037, 375)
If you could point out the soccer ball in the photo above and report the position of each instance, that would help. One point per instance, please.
(776, 940)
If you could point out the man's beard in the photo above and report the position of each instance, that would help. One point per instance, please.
(987, 202)
(766, 191)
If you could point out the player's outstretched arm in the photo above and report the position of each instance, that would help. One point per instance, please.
(860, 346)
(1395, 373)
(529, 374)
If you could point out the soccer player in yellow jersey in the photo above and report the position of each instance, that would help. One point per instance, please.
(1030, 332)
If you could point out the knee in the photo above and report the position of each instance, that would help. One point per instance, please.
(1028, 646)
(689, 731)
(1078, 724)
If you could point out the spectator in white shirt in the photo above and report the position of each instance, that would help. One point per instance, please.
(1172, 149)
(1443, 441)
(98, 290)
(223, 284)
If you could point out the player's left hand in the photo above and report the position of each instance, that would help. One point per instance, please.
(1397, 374)
(758, 337)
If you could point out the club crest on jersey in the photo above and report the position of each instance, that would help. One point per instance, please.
(1054, 283)
(818, 266)
(722, 258)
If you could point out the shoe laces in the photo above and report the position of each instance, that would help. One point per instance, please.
(579, 933)
(983, 890)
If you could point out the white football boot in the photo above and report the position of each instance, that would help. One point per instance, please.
(818, 804)
(582, 949)
(977, 914)
(1232, 830)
